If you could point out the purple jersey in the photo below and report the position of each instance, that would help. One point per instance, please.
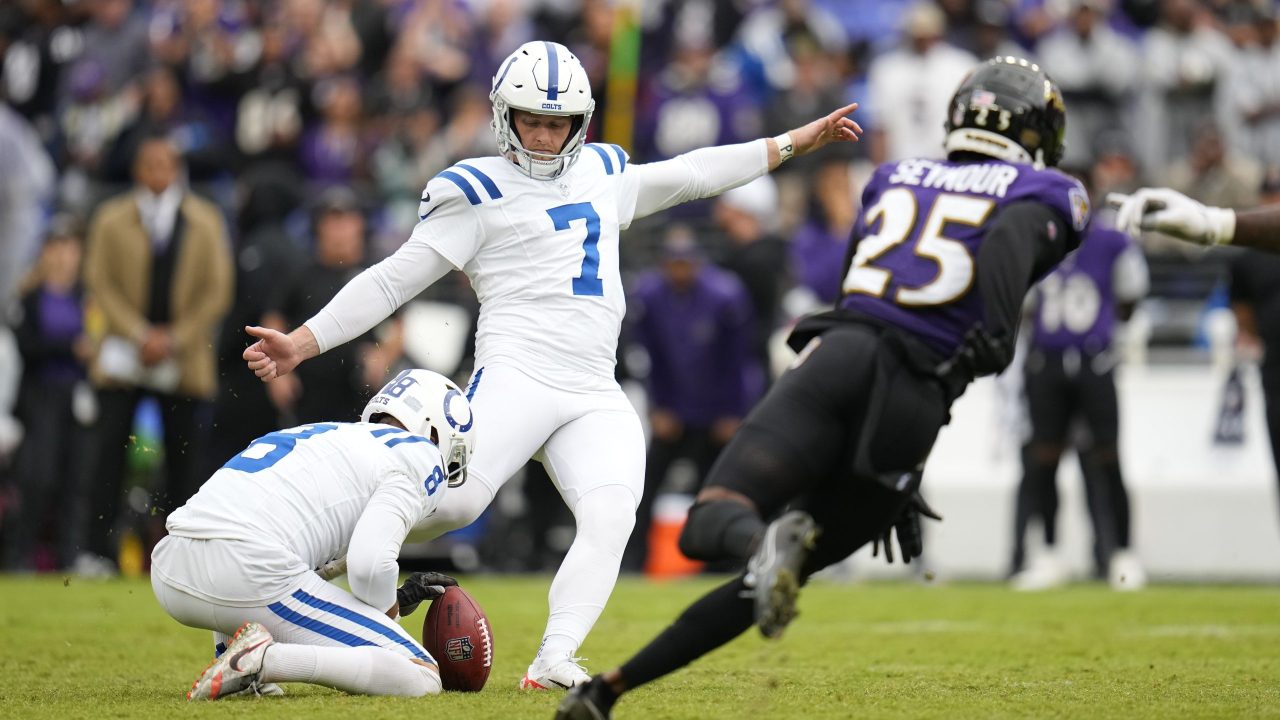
(919, 231)
(1076, 303)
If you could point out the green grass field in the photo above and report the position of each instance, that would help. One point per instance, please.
(90, 649)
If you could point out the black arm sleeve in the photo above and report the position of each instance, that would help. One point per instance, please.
(849, 252)
(1023, 243)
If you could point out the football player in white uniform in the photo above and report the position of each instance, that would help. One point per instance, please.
(536, 231)
(250, 553)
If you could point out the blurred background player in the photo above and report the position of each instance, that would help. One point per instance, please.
(908, 85)
(941, 258)
(28, 177)
(747, 217)
(1098, 69)
(341, 381)
(55, 406)
(266, 258)
(694, 321)
(1070, 387)
(536, 230)
(243, 555)
(158, 268)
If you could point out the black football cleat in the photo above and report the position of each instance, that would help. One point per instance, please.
(774, 571)
(585, 702)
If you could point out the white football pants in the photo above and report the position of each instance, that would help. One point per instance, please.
(592, 445)
(324, 635)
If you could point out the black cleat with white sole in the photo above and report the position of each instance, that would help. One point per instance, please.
(775, 570)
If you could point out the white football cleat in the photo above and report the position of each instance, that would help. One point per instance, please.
(1044, 573)
(238, 668)
(1125, 572)
(561, 675)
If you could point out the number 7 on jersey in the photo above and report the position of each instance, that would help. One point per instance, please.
(588, 282)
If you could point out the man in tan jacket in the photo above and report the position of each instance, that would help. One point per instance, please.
(159, 270)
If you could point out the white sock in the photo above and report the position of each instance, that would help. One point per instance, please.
(220, 642)
(357, 670)
(557, 647)
(586, 578)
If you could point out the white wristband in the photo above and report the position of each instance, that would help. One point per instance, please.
(786, 149)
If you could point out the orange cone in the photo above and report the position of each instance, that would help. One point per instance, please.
(665, 559)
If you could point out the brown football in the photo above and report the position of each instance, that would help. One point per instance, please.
(457, 634)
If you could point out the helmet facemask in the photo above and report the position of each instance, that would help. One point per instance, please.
(455, 429)
(538, 165)
(455, 464)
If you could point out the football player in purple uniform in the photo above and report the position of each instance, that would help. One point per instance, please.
(942, 255)
(1069, 376)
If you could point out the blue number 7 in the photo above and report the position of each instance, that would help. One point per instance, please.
(589, 282)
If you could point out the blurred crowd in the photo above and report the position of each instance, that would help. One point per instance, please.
(275, 148)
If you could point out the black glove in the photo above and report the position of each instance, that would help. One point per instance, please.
(980, 353)
(907, 527)
(421, 586)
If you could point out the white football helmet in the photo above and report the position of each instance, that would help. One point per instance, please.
(544, 78)
(431, 405)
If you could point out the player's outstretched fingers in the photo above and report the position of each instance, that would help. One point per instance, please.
(844, 111)
(843, 128)
(256, 351)
(833, 127)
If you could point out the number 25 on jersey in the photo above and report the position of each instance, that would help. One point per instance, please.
(898, 214)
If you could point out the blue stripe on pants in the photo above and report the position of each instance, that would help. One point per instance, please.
(318, 627)
(367, 622)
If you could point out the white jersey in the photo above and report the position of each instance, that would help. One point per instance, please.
(298, 498)
(542, 255)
